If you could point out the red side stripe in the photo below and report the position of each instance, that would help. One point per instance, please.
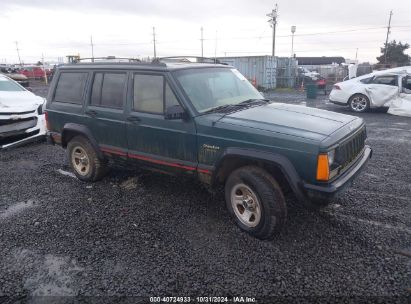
(152, 160)
(112, 151)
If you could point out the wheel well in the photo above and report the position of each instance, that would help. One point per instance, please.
(69, 135)
(232, 163)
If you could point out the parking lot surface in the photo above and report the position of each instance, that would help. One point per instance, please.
(143, 234)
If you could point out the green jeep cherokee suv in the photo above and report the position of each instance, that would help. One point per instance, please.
(207, 121)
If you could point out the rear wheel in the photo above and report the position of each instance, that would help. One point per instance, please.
(256, 202)
(359, 103)
(84, 160)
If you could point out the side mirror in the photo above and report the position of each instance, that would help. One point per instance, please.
(175, 112)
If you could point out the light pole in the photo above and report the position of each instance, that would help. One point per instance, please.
(293, 28)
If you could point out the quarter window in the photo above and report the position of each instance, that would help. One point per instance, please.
(70, 87)
(108, 90)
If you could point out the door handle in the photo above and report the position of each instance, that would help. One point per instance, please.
(91, 113)
(133, 119)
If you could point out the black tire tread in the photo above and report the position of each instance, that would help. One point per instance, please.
(271, 197)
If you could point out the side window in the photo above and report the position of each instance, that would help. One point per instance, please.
(70, 87)
(406, 85)
(171, 99)
(108, 90)
(386, 80)
(149, 93)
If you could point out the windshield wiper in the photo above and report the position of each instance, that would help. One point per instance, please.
(236, 106)
(223, 107)
(248, 101)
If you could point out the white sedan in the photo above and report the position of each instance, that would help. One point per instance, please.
(21, 114)
(389, 88)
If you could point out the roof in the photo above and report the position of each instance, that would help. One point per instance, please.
(319, 60)
(161, 66)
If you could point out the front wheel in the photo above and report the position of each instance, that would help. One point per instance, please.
(256, 202)
(359, 103)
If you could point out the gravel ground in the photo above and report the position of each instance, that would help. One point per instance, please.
(143, 234)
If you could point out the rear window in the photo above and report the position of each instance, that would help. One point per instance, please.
(70, 87)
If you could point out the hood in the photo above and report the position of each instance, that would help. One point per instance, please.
(19, 101)
(288, 119)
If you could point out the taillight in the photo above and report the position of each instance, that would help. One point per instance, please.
(46, 116)
(336, 87)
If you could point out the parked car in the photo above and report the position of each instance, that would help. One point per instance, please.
(34, 72)
(20, 79)
(378, 89)
(21, 114)
(208, 122)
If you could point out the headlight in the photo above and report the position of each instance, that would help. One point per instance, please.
(40, 109)
(331, 157)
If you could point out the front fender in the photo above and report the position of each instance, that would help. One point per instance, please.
(282, 162)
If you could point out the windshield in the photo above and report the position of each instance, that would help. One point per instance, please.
(10, 86)
(208, 88)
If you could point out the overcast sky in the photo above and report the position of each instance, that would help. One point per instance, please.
(57, 28)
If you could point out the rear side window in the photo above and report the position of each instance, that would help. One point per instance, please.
(108, 90)
(387, 80)
(70, 87)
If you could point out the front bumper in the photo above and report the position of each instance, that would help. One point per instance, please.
(335, 188)
(19, 133)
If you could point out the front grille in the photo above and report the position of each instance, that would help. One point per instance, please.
(4, 122)
(348, 151)
(16, 113)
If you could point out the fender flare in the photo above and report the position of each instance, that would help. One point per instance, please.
(81, 130)
(282, 162)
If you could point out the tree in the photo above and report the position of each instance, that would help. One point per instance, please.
(395, 54)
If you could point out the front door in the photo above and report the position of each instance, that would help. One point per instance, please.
(169, 145)
(105, 111)
(402, 105)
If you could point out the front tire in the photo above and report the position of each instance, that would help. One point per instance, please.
(84, 160)
(256, 202)
(359, 103)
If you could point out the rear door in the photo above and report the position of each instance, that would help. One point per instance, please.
(169, 145)
(382, 90)
(402, 105)
(105, 110)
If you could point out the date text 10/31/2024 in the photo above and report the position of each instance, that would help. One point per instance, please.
(202, 300)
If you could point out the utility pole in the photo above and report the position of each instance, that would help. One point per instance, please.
(356, 54)
(44, 69)
(273, 21)
(202, 43)
(154, 41)
(92, 48)
(386, 40)
(215, 48)
(18, 52)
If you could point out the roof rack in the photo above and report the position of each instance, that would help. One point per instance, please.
(186, 59)
(130, 59)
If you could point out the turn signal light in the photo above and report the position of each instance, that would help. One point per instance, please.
(323, 169)
(336, 87)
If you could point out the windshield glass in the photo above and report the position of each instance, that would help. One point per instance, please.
(10, 86)
(209, 88)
